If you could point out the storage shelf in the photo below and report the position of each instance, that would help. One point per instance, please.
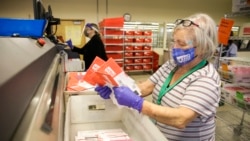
(239, 38)
(237, 14)
(113, 44)
(118, 40)
(140, 57)
(114, 51)
(138, 44)
(129, 64)
(233, 92)
(144, 70)
(136, 50)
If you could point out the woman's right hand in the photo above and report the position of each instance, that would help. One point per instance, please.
(103, 91)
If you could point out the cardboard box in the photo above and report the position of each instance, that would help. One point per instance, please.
(129, 32)
(138, 60)
(128, 40)
(112, 32)
(147, 40)
(138, 53)
(146, 60)
(147, 33)
(130, 67)
(129, 48)
(114, 48)
(113, 41)
(115, 55)
(147, 67)
(138, 67)
(139, 40)
(138, 47)
(138, 32)
(128, 54)
(147, 47)
(128, 60)
(148, 53)
(112, 22)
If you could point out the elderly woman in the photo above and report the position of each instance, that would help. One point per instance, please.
(186, 89)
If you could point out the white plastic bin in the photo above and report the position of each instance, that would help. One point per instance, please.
(107, 116)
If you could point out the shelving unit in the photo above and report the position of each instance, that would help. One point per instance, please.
(235, 120)
(138, 55)
(131, 48)
(113, 38)
(237, 14)
(235, 74)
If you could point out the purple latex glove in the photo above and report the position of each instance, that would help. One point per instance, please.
(104, 91)
(127, 97)
(69, 43)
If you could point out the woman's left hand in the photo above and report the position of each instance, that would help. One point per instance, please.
(127, 97)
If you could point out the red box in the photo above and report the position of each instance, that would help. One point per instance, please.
(148, 53)
(138, 47)
(111, 41)
(129, 67)
(129, 32)
(138, 32)
(147, 40)
(120, 64)
(147, 33)
(138, 40)
(112, 32)
(147, 48)
(147, 67)
(138, 54)
(155, 55)
(115, 55)
(114, 48)
(128, 54)
(129, 47)
(128, 40)
(112, 22)
(128, 61)
(138, 60)
(155, 63)
(138, 67)
(146, 60)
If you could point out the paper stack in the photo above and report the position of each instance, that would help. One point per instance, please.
(102, 135)
(75, 82)
(109, 73)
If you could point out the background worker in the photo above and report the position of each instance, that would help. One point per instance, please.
(94, 47)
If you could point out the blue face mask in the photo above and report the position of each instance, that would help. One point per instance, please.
(183, 56)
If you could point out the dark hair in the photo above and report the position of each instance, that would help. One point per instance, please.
(230, 41)
(231, 33)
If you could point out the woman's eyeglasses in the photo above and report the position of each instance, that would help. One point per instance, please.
(185, 23)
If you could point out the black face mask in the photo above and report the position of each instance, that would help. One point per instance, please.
(86, 33)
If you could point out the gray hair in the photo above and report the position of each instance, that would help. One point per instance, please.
(205, 37)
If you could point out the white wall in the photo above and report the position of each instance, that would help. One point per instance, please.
(141, 10)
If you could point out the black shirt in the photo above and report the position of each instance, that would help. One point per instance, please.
(94, 47)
